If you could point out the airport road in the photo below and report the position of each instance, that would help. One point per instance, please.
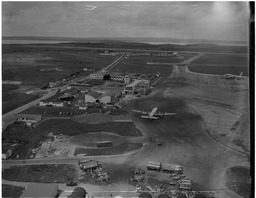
(132, 50)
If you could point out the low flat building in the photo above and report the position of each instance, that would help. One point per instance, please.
(29, 119)
(37, 190)
(51, 103)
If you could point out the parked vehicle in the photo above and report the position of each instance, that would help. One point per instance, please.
(139, 171)
(137, 178)
(71, 183)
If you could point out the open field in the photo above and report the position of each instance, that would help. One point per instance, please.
(11, 191)
(114, 150)
(46, 173)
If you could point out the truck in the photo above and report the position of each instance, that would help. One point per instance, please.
(172, 168)
(154, 166)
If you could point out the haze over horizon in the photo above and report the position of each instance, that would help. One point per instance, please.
(182, 20)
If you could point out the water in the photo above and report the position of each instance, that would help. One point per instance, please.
(33, 41)
(189, 43)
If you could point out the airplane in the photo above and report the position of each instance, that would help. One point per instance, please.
(158, 74)
(232, 76)
(153, 115)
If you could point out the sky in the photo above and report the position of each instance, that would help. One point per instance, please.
(185, 20)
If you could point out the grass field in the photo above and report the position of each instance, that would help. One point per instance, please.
(114, 150)
(238, 180)
(223, 59)
(11, 191)
(59, 173)
(67, 127)
(12, 99)
(219, 70)
(126, 66)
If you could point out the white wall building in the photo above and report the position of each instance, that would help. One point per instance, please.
(138, 86)
(97, 76)
(51, 103)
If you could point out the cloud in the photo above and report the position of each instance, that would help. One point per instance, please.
(91, 7)
(207, 20)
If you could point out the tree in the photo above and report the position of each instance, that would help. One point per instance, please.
(107, 77)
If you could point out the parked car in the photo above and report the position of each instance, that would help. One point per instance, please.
(176, 178)
(172, 183)
(139, 172)
(71, 183)
(137, 178)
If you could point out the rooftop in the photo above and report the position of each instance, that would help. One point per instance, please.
(134, 83)
(93, 94)
(39, 190)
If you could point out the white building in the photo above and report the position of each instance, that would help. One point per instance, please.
(97, 76)
(91, 97)
(105, 99)
(29, 119)
(138, 86)
(51, 103)
(6, 153)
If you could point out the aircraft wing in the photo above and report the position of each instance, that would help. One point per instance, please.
(138, 111)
